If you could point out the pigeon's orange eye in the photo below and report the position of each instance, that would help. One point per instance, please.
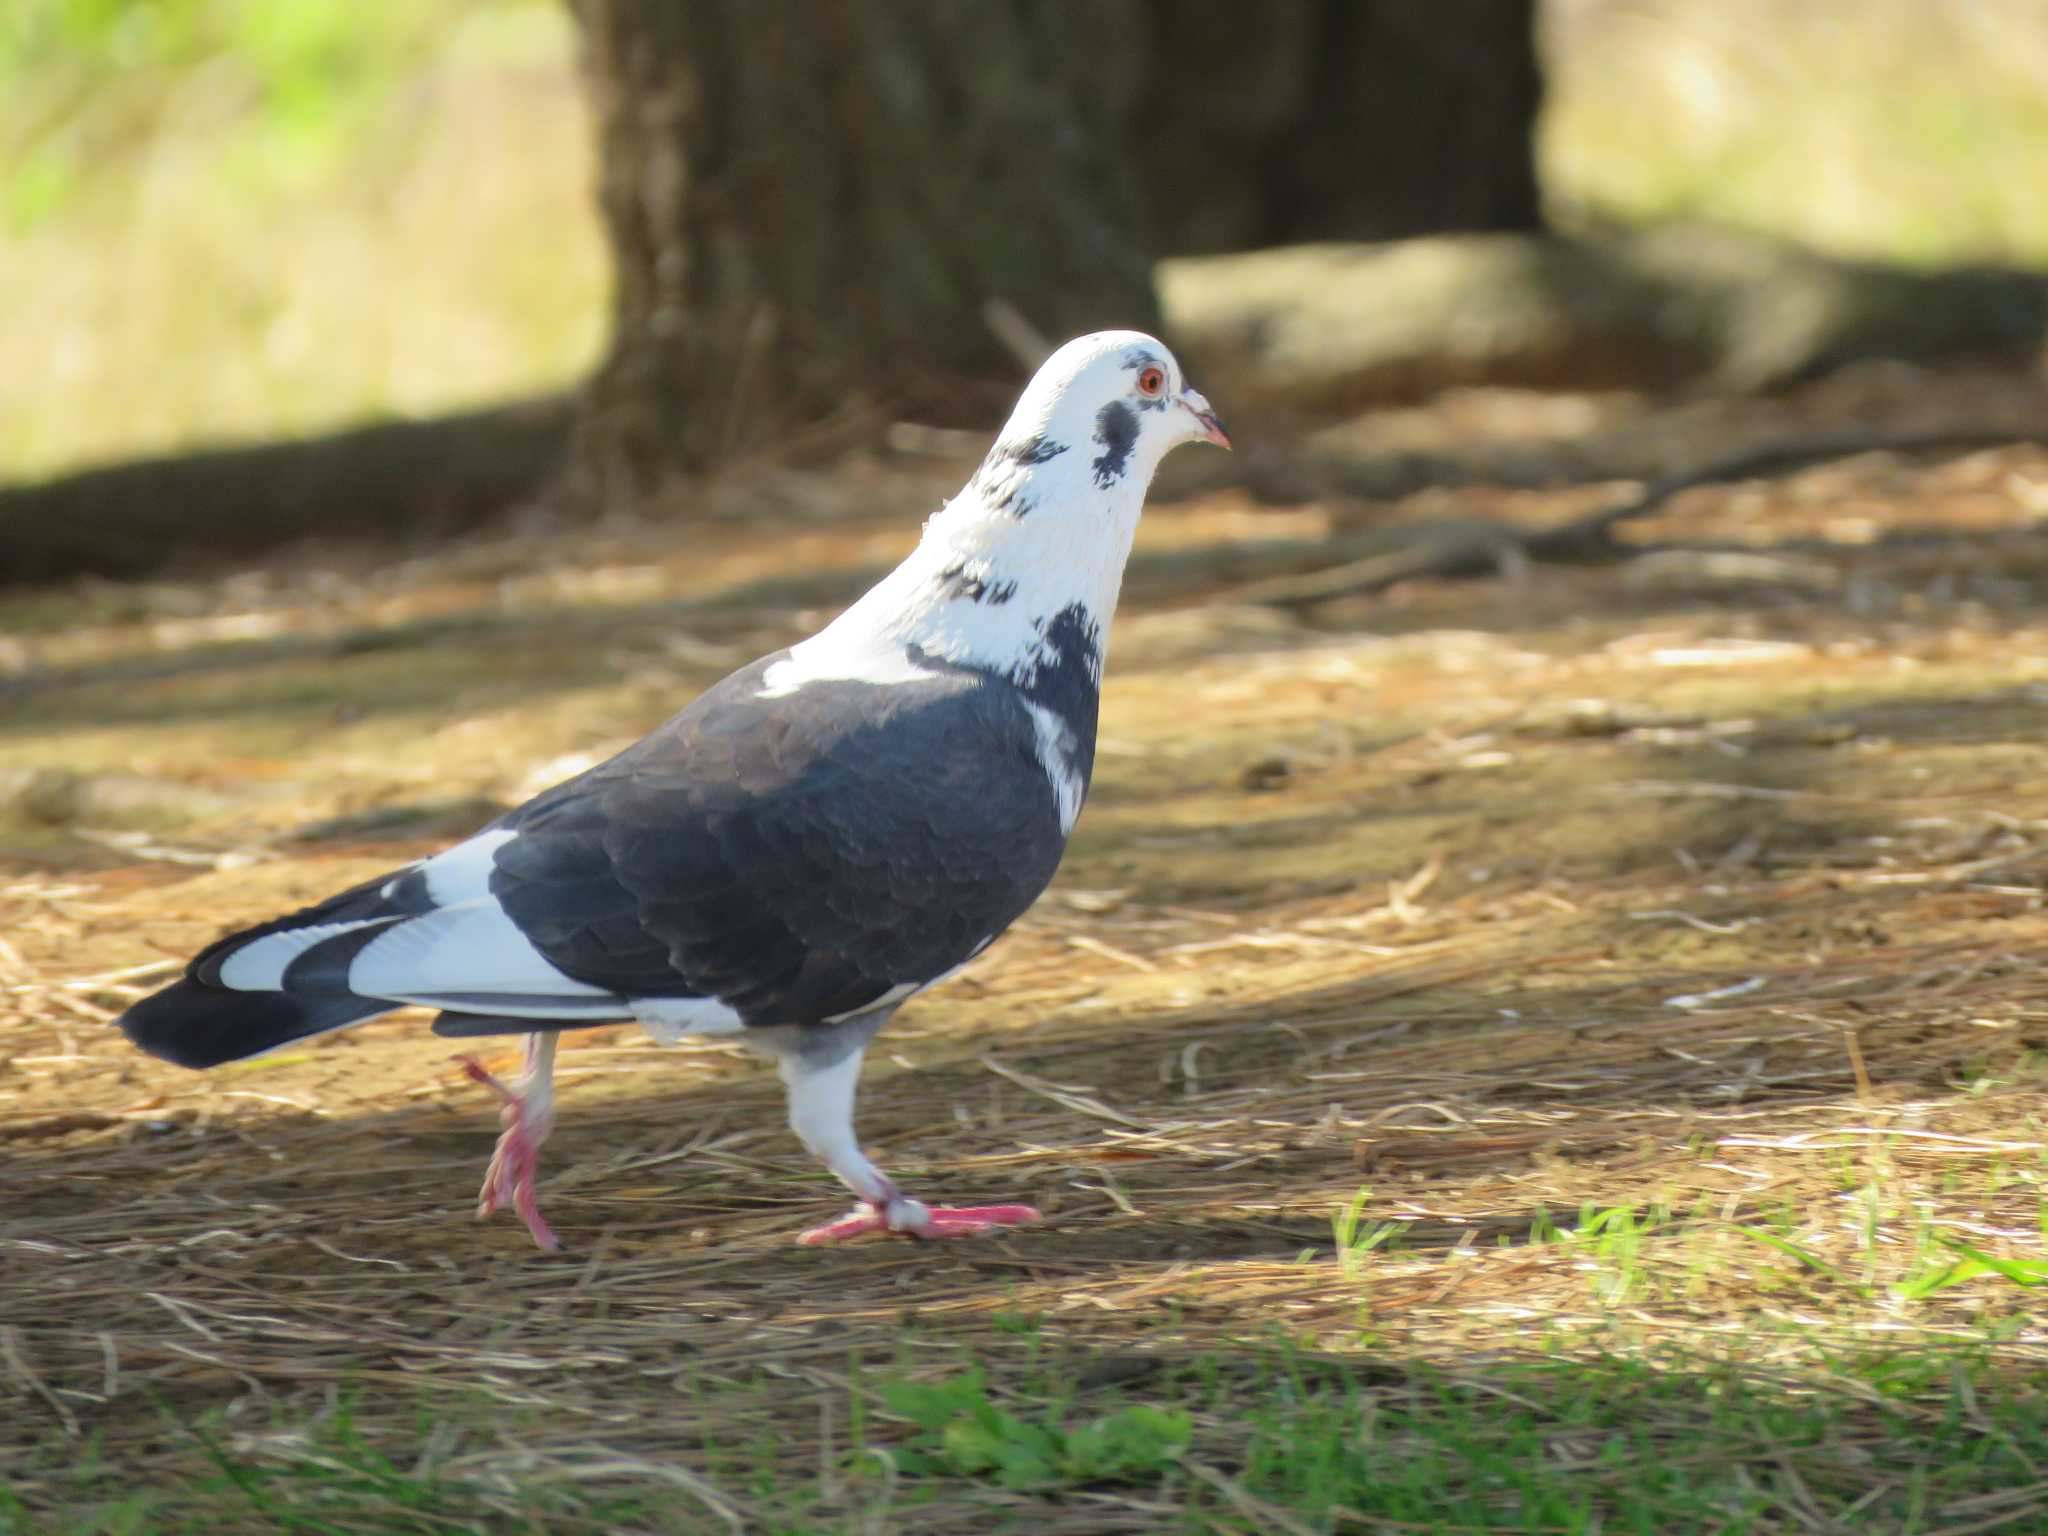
(1152, 381)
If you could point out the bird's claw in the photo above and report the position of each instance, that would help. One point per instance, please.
(515, 1164)
(913, 1219)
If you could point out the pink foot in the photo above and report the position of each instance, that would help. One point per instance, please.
(920, 1221)
(509, 1179)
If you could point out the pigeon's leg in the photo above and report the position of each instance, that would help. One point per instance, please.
(821, 1114)
(528, 1115)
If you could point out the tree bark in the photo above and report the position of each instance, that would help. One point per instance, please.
(1309, 120)
(814, 203)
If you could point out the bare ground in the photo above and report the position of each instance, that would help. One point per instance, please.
(1706, 883)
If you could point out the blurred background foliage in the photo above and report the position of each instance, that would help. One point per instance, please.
(246, 219)
(237, 218)
(1902, 129)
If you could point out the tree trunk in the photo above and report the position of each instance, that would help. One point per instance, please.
(813, 205)
(1311, 120)
(816, 205)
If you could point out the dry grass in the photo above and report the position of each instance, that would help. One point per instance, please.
(1595, 922)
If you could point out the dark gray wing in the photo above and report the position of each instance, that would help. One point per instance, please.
(796, 857)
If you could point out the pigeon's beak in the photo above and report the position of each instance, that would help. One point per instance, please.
(1212, 429)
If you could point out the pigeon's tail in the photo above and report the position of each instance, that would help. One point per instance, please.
(266, 986)
(196, 1025)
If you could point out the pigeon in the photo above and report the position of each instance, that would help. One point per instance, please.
(815, 840)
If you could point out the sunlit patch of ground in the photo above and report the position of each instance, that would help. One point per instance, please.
(1653, 945)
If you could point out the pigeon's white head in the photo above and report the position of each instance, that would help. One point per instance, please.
(1036, 541)
(1018, 575)
(1112, 405)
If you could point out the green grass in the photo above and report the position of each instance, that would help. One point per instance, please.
(963, 1433)
(1919, 1439)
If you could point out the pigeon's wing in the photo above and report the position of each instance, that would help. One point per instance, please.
(766, 857)
(797, 856)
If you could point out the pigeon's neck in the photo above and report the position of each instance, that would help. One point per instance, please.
(1016, 576)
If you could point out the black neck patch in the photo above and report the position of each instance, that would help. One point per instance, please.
(1116, 428)
(1001, 478)
(958, 581)
(1066, 677)
(1037, 449)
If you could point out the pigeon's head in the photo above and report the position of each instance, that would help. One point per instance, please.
(1116, 401)
(1071, 467)
(1045, 525)
(1033, 548)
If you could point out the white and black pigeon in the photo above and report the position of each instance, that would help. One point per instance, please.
(822, 835)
